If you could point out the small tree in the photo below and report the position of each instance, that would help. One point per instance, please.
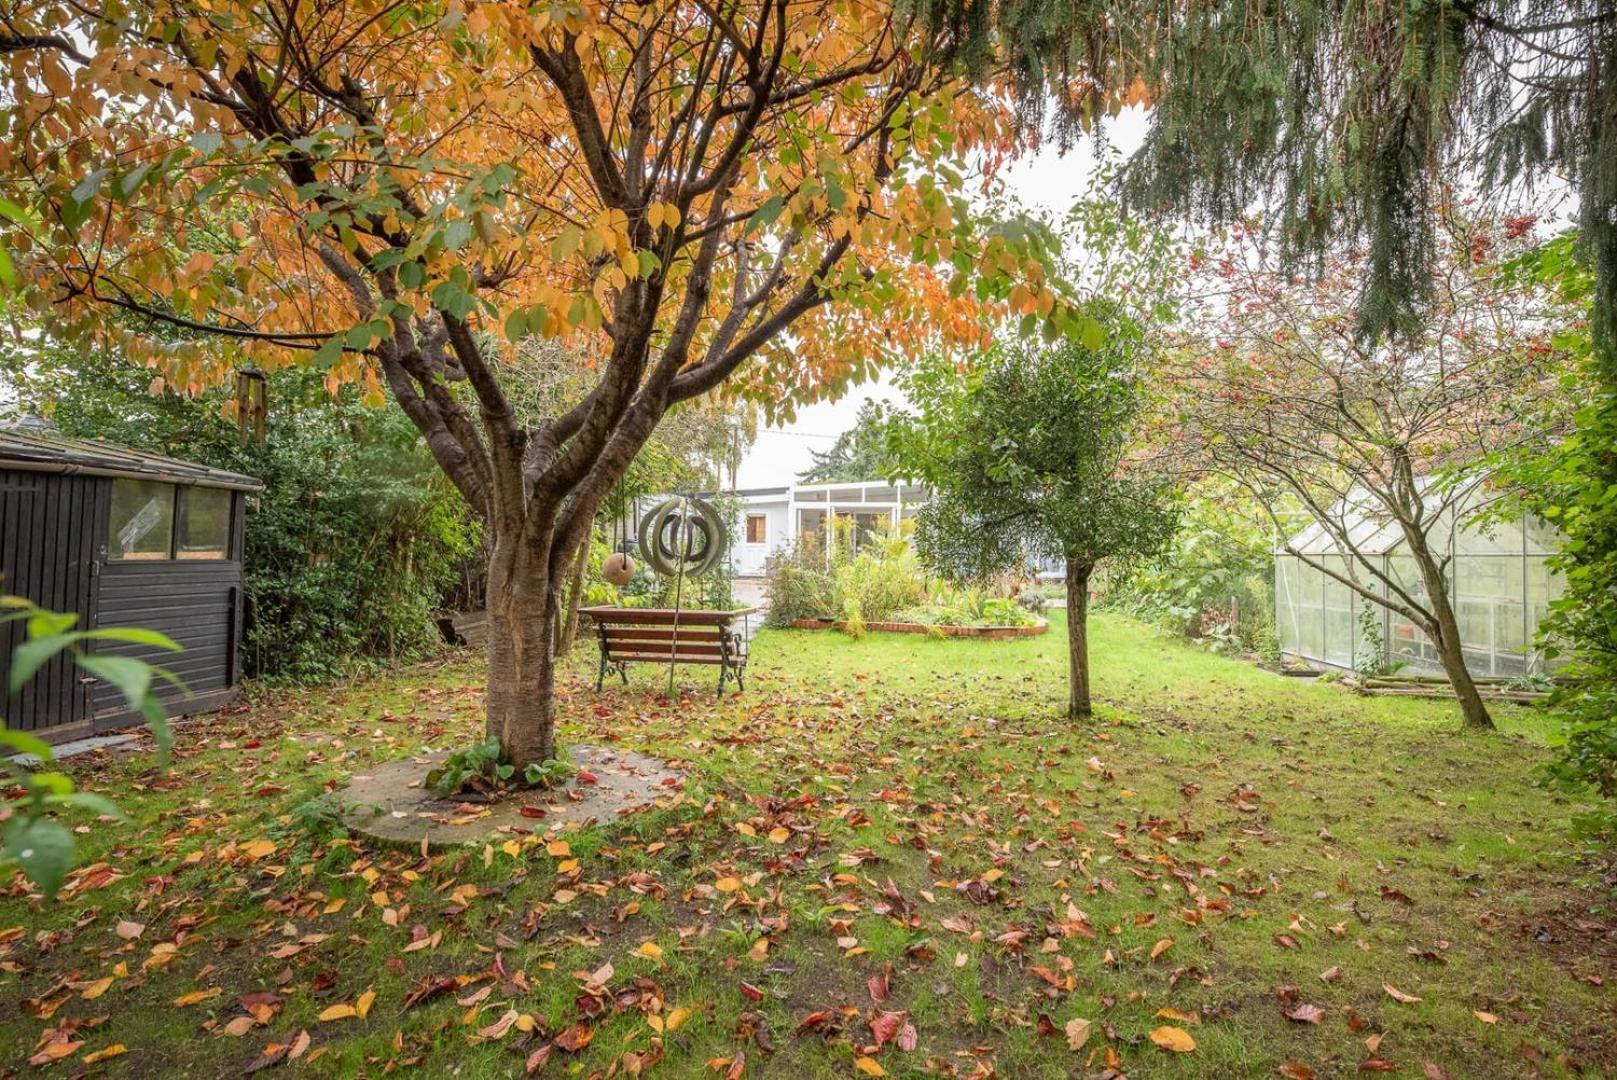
(1027, 458)
(1282, 393)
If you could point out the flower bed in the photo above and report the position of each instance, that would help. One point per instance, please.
(937, 629)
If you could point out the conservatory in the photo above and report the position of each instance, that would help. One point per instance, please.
(1498, 580)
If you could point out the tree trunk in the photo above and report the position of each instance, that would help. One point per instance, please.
(1473, 712)
(1078, 637)
(575, 595)
(522, 611)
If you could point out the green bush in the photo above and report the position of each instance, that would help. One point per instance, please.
(882, 579)
(1215, 584)
(798, 583)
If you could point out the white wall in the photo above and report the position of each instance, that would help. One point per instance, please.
(750, 558)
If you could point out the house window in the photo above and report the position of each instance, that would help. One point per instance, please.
(142, 521)
(204, 531)
(757, 528)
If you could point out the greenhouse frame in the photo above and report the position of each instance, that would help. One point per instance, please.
(1499, 581)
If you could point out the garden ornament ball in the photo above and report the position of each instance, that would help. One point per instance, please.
(684, 536)
(617, 569)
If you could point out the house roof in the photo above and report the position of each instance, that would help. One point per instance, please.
(31, 445)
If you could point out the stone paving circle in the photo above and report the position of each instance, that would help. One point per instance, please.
(392, 804)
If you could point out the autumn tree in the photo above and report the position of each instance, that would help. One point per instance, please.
(1279, 391)
(396, 193)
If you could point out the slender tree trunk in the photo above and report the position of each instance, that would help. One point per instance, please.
(1473, 711)
(575, 596)
(1078, 637)
(522, 607)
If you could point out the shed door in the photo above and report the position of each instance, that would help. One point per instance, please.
(48, 530)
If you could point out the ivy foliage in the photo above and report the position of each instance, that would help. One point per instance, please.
(1574, 487)
(357, 538)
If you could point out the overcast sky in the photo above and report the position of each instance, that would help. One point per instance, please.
(1047, 181)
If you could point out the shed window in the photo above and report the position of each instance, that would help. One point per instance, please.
(757, 528)
(204, 524)
(142, 521)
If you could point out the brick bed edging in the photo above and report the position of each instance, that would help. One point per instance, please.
(990, 632)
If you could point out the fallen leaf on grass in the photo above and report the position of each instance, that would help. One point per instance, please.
(498, 1029)
(1077, 1032)
(343, 1011)
(55, 1051)
(1161, 947)
(1398, 995)
(128, 930)
(1171, 1038)
(869, 1066)
(1306, 1014)
(362, 1007)
(104, 1053)
(96, 989)
(197, 997)
(1485, 1017)
(1296, 1070)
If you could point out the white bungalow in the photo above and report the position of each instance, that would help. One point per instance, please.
(771, 519)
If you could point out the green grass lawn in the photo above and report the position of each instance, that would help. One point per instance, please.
(894, 841)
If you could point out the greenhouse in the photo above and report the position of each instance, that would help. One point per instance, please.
(1499, 581)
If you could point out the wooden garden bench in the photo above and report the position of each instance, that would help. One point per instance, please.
(663, 635)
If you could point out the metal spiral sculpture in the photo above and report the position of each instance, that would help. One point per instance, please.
(679, 537)
(683, 537)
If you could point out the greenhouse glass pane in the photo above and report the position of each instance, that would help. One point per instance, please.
(1310, 613)
(1407, 647)
(1496, 538)
(1287, 626)
(1488, 605)
(1542, 538)
(1544, 586)
(1339, 631)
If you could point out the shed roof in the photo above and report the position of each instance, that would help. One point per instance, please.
(36, 448)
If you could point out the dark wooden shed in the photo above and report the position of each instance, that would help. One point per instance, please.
(123, 538)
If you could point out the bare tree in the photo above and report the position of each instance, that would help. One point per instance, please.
(1278, 389)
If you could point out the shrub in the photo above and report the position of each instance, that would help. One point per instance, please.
(1214, 585)
(884, 578)
(798, 584)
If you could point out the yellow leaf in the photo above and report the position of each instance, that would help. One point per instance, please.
(1077, 1033)
(338, 1012)
(727, 884)
(1179, 1015)
(363, 1005)
(779, 835)
(677, 1017)
(258, 849)
(869, 1066)
(197, 997)
(759, 951)
(650, 950)
(1485, 1017)
(745, 830)
(106, 1052)
(559, 849)
(1176, 1039)
(97, 988)
(1161, 947)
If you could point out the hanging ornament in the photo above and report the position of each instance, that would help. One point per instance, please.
(617, 569)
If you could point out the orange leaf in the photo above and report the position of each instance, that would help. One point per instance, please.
(1171, 1038)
